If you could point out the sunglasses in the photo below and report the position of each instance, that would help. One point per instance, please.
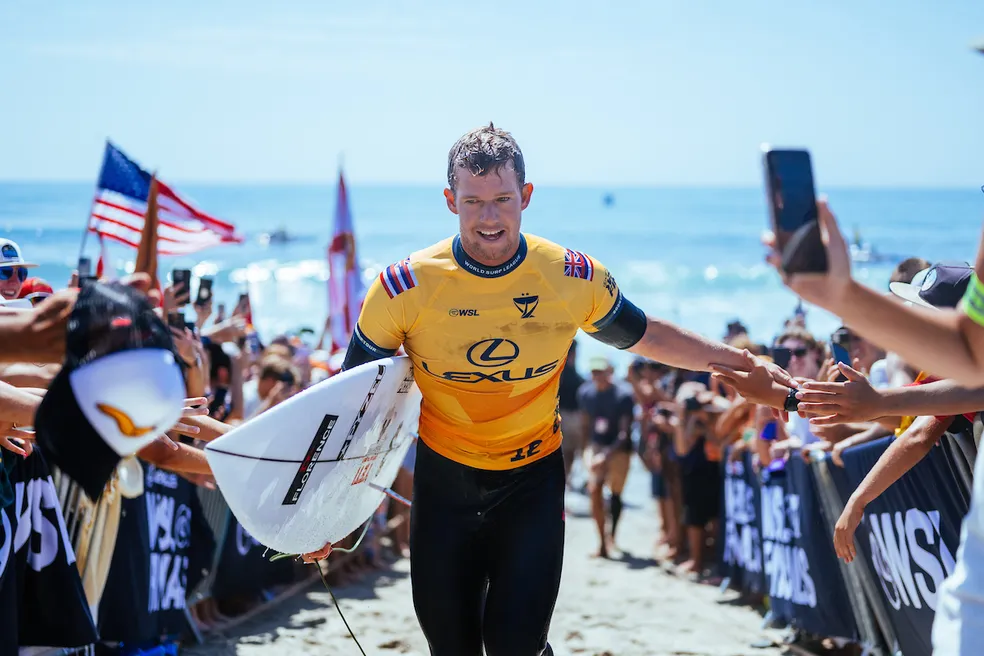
(6, 273)
(800, 352)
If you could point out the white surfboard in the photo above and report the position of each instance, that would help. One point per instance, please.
(298, 476)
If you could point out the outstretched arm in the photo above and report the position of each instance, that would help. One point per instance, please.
(901, 456)
(948, 342)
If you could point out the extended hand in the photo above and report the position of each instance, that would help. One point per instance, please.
(844, 531)
(852, 401)
(760, 382)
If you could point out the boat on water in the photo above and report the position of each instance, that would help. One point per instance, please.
(864, 252)
(276, 238)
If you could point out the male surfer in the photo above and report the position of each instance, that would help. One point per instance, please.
(487, 317)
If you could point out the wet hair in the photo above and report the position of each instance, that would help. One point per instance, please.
(485, 150)
(908, 268)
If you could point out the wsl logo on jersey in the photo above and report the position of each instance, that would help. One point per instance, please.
(493, 356)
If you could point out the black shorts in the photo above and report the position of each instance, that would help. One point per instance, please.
(486, 554)
(702, 489)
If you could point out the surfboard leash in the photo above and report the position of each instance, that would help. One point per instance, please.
(324, 580)
(339, 609)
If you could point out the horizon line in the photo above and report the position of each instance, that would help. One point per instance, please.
(556, 185)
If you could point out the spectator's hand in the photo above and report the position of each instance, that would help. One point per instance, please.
(824, 289)
(848, 402)
(227, 331)
(825, 369)
(845, 528)
(736, 452)
(837, 452)
(195, 407)
(172, 301)
(203, 312)
(16, 440)
(757, 382)
(185, 344)
(807, 451)
(779, 450)
(41, 335)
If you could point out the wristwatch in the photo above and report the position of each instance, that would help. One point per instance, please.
(792, 403)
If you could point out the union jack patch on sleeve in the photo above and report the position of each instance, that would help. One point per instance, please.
(398, 278)
(578, 265)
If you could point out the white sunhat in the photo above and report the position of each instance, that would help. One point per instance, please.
(10, 254)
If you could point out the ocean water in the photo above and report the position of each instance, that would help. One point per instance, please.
(689, 255)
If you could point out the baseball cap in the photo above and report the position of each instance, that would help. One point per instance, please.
(35, 290)
(119, 389)
(599, 363)
(940, 286)
(10, 254)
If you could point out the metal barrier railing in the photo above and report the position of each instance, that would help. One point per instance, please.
(870, 615)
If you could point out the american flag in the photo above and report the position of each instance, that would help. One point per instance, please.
(346, 290)
(120, 205)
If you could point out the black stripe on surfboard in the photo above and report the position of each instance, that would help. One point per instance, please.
(295, 462)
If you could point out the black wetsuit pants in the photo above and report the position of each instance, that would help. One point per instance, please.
(486, 554)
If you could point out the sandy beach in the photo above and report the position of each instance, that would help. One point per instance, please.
(625, 607)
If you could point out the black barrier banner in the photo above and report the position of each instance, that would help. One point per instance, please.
(741, 559)
(909, 535)
(152, 566)
(245, 566)
(806, 588)
(42, 602)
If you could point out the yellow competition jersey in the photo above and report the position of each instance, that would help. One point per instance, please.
(488, 344)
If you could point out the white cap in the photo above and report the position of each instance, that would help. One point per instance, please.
(130, 397)
(10, 254)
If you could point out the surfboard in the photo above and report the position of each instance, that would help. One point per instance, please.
(298, 475)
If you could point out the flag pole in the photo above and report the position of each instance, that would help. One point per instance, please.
(92, 205)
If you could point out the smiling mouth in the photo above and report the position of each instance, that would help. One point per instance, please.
(491, 235)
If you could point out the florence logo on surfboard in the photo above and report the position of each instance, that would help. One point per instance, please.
(310, 459)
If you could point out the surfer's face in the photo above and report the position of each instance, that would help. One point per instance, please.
(489, 209)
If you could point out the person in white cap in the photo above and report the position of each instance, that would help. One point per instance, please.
(13, 269)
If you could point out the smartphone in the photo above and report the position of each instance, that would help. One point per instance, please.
(204, 291)
(181, 280)
(781, 356)
(840, 354)
(792, 201)
(85, 271)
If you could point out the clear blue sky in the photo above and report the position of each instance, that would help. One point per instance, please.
(644, 92)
